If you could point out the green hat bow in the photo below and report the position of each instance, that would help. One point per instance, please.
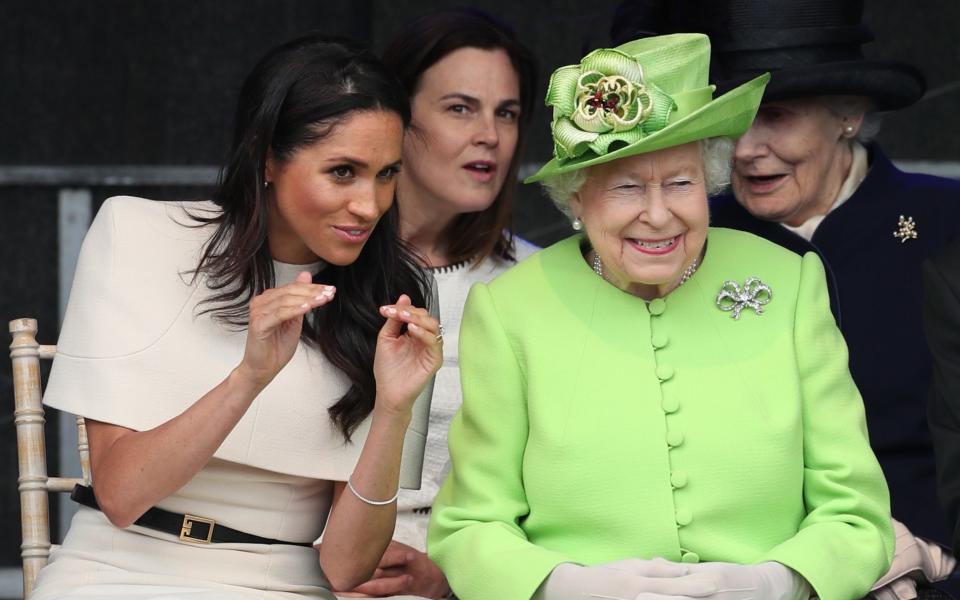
(643, 96)
(602, 100)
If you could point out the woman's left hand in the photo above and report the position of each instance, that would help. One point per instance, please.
(405, 360)
(768, 580)
(403, 570)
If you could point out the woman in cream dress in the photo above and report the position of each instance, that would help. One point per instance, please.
(253, 360)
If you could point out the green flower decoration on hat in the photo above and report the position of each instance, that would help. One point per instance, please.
(602, 100)
(643, 96)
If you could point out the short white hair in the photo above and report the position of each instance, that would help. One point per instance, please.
(716, 154)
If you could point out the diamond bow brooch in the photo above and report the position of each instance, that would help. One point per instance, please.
(754, 294)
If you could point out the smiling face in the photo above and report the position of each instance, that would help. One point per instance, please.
(326, 199)
(646, 216)
(463, 135)
(791, 164)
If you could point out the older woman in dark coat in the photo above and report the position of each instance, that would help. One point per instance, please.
(807, 177)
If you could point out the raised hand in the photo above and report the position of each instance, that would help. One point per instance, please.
(406, 357)
(276, 319)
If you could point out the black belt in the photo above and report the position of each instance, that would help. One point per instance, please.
(189, 528)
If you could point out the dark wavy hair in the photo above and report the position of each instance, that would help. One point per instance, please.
(295, 96)
(419, 46)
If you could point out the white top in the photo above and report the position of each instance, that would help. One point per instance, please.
(454, 284)
(858, 170)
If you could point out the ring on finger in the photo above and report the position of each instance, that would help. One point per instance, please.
(439, 336)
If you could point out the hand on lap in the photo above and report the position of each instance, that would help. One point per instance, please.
(403, 571)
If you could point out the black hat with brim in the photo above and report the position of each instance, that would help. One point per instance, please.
(889, 85)
(809, 47)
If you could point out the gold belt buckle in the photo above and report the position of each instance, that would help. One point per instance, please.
(187, 528)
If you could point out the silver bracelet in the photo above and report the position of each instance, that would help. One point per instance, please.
(369, 501)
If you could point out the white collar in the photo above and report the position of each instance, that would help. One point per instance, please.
(285, 273)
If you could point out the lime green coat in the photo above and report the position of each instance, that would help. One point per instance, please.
(595, 429)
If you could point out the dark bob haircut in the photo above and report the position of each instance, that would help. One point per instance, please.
(419, 46)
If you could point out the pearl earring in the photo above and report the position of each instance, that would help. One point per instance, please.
(849, 129)
(577, 224)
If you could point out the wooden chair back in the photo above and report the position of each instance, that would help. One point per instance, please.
(33, 482)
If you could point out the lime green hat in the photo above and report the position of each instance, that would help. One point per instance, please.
(642, 96)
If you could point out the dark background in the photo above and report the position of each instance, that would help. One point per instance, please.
(153, 83)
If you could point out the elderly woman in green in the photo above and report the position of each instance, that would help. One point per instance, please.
(656, 409)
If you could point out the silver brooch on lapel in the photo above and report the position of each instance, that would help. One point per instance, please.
(754, 294)
(906, 229)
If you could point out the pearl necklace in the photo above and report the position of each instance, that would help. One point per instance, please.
(687, 273)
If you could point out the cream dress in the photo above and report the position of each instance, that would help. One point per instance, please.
(133, 351)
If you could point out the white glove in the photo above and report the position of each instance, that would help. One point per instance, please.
(630, 579)
(769, 581)
(913, 559)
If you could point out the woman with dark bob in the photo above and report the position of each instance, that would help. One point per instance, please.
(471, 85)
(247, 366)
(656, 409)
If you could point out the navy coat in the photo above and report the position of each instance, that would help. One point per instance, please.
(941, 316)
(877, 296)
